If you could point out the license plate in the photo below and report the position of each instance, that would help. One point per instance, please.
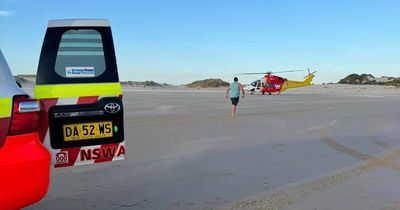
(85, 131)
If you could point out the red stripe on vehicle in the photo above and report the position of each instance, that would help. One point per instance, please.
(72, 156)
(45, 104)
(4, 126)
(108, 152)
(88, 100)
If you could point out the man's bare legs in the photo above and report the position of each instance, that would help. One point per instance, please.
(233, 110)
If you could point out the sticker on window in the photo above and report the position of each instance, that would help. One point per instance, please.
(79, 72)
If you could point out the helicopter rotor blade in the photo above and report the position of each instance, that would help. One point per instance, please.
(297, 70)
(251, 73)
(273, 72)
(309, 73)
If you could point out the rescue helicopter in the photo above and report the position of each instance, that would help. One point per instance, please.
(275, 84)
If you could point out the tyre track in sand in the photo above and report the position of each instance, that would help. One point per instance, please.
(376, 141)
(284, 197)
(338, 147)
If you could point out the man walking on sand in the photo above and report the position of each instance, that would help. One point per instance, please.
(233, 91)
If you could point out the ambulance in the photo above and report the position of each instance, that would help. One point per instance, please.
(74, 118)
(24, 161)
(78, 87)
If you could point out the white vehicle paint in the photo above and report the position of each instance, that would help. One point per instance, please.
(78, 22)
(8, 86)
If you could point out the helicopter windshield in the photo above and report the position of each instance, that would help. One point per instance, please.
(256, 83)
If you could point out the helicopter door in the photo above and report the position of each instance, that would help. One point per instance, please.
(258, 85)
(78, 87)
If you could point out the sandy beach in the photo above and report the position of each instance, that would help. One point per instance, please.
(319, 147)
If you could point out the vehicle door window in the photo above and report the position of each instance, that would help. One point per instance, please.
(80, 54)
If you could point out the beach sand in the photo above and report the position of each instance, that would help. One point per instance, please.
(318, 147)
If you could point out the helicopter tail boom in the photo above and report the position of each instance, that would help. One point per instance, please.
(296, 84)
(309, 79)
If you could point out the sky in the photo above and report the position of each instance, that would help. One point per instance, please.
(179, 41)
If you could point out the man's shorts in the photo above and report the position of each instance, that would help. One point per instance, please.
(235, 101)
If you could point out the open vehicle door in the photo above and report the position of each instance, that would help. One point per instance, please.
(78, 86)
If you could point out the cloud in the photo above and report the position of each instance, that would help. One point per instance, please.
(6, 13)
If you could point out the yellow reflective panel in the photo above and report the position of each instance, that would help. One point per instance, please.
(77, 90)
(5, 107)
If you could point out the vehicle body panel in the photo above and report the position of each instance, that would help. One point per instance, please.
(25, 166)
(24, 161)
(8, 89)
(8, 86)
(77, 78)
